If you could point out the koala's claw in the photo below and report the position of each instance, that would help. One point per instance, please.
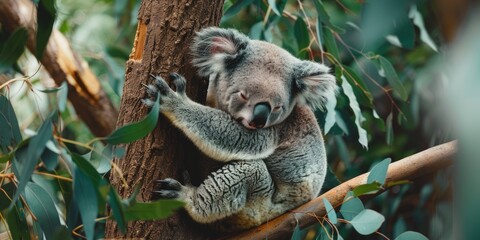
(161, 85)
(179, 82)
(167, 188)
(169, 184)
(169, 194)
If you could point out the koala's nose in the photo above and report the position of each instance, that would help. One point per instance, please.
(260, 115)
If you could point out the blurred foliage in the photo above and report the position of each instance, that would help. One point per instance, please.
(384, 54)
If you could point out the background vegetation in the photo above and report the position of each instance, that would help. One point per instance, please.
(387, 56)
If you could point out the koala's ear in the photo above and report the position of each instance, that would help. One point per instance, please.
(314, 85)
(212, 47)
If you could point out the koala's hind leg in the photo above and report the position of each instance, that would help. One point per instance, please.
(223, 193)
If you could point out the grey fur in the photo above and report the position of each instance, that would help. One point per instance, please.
(267, 170)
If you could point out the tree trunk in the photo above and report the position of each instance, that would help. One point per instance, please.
(161, 46)
(84, 90)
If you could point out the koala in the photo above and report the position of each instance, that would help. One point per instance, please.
(259, 123)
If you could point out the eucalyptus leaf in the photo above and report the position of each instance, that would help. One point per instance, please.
(301, 34)
(297, 233)
(362, 134)
(46, 14)
(15, 218)
(331, 44)
(331, 114)
(392, 77)
(367, 221)
(235, 8)
(379, 172)
(332, 215)
(9, 130)
(43, 207)
(417, 18)
(368, 188)
(26, 164)
(86, 198)
(410, 235)
(351, 206)
(87, 168)
(277, 8)
(389, 129)
(117, 208)
(151, 211)
(135, 131)
(13, 48)
(361, 91)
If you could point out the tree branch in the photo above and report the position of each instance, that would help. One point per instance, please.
(84, 90)
(409, 168)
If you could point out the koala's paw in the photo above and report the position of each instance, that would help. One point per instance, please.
(167, 189)
(168, 97)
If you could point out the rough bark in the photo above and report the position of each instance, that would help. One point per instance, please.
(84, 90)
(161, 46)
(409, 168)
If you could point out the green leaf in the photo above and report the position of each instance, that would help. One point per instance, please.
(331, 114)
(361, 91)
(235, 8)
(330, 43)
(46, 14)
(389, 129)
(367, 221)
(416, 16)
(392, 77)
(15, 218)
(348, 90)
(135, 131)
(410, 235)
(13, 48)
(368, 188)
(324, 18)
(351, 206)
(86, 199)
(256, 31)
(87, 168)
(43, 207)
(50, 155)
(151, 211)
(379, 172)
(9, 130)
(332, 215)
(117, 208)
(297, 233)
(301, 34)
(26, 161)
(62, 96)
(277, 9)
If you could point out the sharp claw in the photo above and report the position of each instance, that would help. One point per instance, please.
(169, 184)
(166, 194)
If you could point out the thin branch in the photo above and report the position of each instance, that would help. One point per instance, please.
(412, 167)
(63, 64)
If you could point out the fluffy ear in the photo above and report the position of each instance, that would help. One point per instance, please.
(315, 86)
(212, 47)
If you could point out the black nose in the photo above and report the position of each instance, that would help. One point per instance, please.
(260, 115)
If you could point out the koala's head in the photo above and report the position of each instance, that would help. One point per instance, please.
(257, 82)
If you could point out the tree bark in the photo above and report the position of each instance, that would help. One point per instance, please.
(84, 90)
(161, 46)
(409, 168)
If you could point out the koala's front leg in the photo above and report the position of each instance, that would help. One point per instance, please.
(213, 131)
(223, 193)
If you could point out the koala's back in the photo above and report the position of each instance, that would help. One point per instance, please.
(295, 173)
